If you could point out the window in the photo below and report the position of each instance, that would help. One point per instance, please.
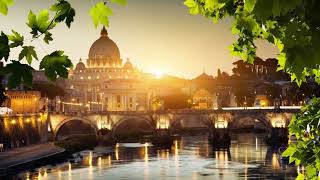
(130, 99)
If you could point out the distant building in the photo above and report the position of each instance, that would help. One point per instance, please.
(24, 101)
(202, 99)
(261, 101)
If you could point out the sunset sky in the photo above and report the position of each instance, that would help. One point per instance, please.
(157, 35)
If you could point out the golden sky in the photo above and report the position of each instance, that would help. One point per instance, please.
(157, 35)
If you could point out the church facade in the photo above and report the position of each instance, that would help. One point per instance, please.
(104, 82)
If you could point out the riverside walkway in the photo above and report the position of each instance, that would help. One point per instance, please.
(23, 155)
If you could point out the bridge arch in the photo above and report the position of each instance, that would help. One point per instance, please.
(261, 118)
(72, 119)
(178, 119)
(130, 119)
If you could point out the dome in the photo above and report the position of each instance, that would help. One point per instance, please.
(204, 76)
(104, 51)
(128, 65)
(80, 66)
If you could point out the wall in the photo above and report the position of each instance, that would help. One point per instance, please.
(24, 101)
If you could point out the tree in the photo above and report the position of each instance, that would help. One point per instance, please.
(294, 27)
(55, 64)
(48, 90)
(176, 100)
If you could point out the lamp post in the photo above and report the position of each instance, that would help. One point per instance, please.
(72, 108)
(245, 102)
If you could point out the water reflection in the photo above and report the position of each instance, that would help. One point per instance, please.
(189, 158)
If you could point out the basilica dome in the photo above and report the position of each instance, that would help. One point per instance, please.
(80, 66)
(104, 52)
(128, 65)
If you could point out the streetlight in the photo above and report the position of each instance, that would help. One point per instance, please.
(72, 104)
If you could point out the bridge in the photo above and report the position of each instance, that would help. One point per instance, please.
(147, 121)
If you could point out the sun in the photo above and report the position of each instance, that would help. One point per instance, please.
(158, 74)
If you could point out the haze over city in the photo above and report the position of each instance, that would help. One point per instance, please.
(157, 36)
(148, 89)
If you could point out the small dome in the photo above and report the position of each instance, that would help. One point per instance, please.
(204, 76)
(80, 66)
(128, 65)
(104, 50)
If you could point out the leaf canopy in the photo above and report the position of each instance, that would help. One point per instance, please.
(294, 27)
(19, 74)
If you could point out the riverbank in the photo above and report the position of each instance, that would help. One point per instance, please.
(15, 158)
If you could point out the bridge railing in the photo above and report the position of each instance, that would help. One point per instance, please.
(225, 109)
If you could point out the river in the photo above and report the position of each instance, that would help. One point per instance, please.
(189, 158)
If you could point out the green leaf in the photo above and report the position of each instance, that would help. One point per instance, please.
(64, 12)
(4, 46)
(19, 74)
(121, 2)
(193, 6)
(28, 52)
(100, 14)
(4, 6)
(249, 5)
(289, 151)
(16, 38)
(56, 65)
(311, 171)
(48, 37)
(300, 177)
(40, 23)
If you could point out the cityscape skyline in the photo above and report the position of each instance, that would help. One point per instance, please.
(171, 41)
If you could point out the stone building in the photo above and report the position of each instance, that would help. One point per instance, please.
(25, 101)
(105, 82)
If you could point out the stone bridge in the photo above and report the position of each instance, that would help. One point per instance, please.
(232, 118)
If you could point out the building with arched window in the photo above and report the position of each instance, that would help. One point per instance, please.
(104, 82)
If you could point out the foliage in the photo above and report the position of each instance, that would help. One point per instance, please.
(177, 100)
(294, 27)
(49, 90)
(100, 14)
(306, 150)
(4, 6)
(55, 64)
(18, 74)
(28, 52)
(64, 12)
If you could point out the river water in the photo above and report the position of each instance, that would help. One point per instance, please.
(189, 158)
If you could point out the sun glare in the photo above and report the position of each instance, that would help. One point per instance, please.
(158, 74)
